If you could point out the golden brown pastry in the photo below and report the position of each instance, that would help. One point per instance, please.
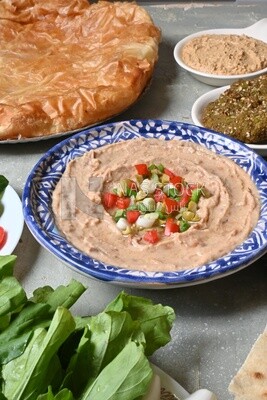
(65, 64)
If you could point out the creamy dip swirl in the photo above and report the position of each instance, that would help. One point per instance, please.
(226, 218)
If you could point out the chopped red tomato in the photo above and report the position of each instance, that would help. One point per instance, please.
(123, 202)
(109, 200)
(185, 198)
(3, 237)
(142, 169)
(169, 173)
(176, 180)
(159, 195)
(132, 185)
(171, 227)
(151, 236)
(132, 215)
(171, 205)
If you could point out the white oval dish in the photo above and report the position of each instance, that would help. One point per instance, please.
(257, 31)
(11, 219)
(207, 98)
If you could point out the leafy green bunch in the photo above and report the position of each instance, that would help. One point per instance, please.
(48, 353)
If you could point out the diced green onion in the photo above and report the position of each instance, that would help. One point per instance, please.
(173, 193)
(184, 225)
(160, 167)
(142, 207)
(132, 207)
(130, 192)
(162, 216)
(119, 214)
(155, 177)
(152, 166)
(196, 194)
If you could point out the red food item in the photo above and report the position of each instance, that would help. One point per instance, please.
(176, 180)
(3, 237)
(132, 215)
(171, 227)
(109, 200)
(142, 169)
(123, 202)
(185, 197)
(171, 205)
(169, 173)
(159, 195)
(151, 236)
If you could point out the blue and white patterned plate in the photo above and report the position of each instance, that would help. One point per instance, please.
(47, 172)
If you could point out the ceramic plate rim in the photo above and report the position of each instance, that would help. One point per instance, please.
(212, 95)
(122, 275)
(12, 211)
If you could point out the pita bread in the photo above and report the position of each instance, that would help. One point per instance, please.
(250, 382)
(66, 64)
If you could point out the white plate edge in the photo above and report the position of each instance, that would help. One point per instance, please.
(12, 219)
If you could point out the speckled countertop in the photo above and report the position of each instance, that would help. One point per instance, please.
(217, 322)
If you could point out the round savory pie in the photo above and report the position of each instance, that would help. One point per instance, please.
(67, 64)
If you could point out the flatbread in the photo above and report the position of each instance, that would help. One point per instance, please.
(66, 64)
(250, 382)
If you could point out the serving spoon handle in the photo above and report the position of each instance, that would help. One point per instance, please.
(257, 30)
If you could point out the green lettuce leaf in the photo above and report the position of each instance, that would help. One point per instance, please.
(127, 377)
(155, 319)
(12, 296)
(7, 264)
(105, 337)
(48, 354)
(64, 296)
(27, 376)
(64, 394)
(16, 336)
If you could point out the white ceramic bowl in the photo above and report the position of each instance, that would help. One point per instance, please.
(204, 100)
(257, 31)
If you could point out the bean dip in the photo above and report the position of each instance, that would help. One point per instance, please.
(226, 218)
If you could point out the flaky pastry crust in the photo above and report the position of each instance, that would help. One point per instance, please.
(66, 64)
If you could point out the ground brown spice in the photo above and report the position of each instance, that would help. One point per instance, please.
(225, 54)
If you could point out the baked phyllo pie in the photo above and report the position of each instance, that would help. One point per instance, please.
(67, 64)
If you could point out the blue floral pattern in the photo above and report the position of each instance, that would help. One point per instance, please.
(45, 175)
